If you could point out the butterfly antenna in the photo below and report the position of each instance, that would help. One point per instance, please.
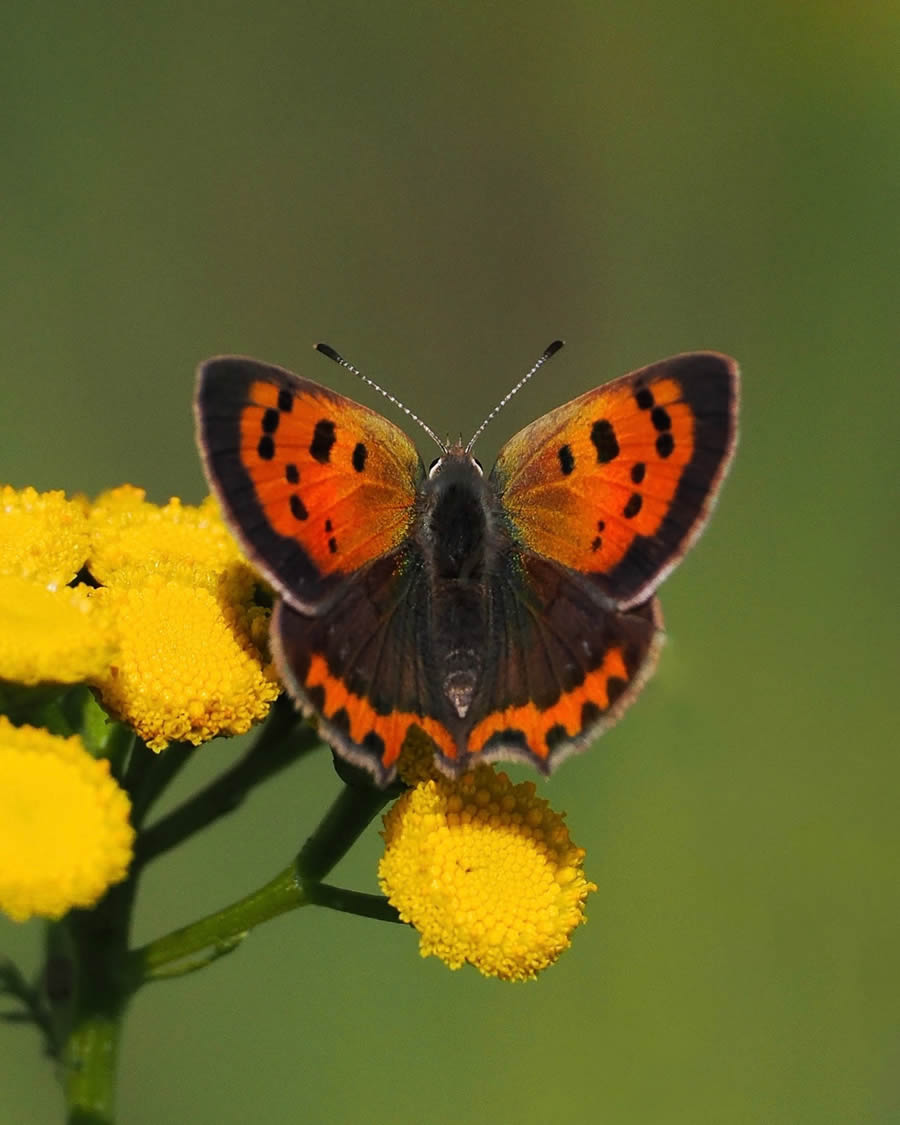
(326, 349)
(548, 352)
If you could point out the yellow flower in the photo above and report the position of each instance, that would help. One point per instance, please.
(132, 540)
(52, 637)
(486, 872)
(43, 536)
(64, 830)
(190, 665)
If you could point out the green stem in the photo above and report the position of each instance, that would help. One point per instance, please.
(149, 774)
(353, 810)
(349, 815)
(353, 902)
(274, 749)
(102, 987)
(282, 893)
(120, 745)
(91, 1056)
(31, 1005)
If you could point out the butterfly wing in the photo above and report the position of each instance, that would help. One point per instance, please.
(361, 666)
(568, 663)
(314, 485)
(618, 483)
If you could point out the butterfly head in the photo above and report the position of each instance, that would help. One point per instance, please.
(455, 462)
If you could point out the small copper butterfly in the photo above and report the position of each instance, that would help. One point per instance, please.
(509, 616)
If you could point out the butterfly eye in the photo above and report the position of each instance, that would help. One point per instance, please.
(433, 467)
(478, 465)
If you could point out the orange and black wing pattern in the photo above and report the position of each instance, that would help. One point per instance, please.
(618, 483)
(363, 667)
(565, 664)
(314, 485)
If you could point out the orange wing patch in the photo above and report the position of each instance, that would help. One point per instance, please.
(361, 723)
(596, 479)
(575, 710)
(328, 472)
(315, 485)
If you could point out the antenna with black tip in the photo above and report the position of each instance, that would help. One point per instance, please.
(326, 349)
(548, 353)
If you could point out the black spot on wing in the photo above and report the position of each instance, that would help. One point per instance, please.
(590, 713)
(508, 737)
(323, 440)
(604, 438)
(374, 744)
(341, 720)
(615, 685)
(316, 695)
(634, 505)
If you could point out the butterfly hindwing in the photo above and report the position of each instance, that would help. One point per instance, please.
(617, 483)
(361, 665)
(314, 484)
(566, 664)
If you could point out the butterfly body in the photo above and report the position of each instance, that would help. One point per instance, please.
(508, 616)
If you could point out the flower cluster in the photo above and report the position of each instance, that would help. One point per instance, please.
(191, 661)
(153, 607)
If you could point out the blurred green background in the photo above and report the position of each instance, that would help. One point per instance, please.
(438, 191)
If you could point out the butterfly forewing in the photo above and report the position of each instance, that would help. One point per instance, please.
(619, 482)
(315, 485)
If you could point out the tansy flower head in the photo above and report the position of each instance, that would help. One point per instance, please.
(133, 540)
(486, 872)
(190, 666)
(64, 830)
(43, 536)
(46, 636)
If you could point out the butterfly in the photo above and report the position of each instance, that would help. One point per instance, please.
(505, 616)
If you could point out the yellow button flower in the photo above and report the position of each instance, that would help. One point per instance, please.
(486, 872)
(132, 539)
(64, 830)
(189, 665)
(46, 636)
(43, 536)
